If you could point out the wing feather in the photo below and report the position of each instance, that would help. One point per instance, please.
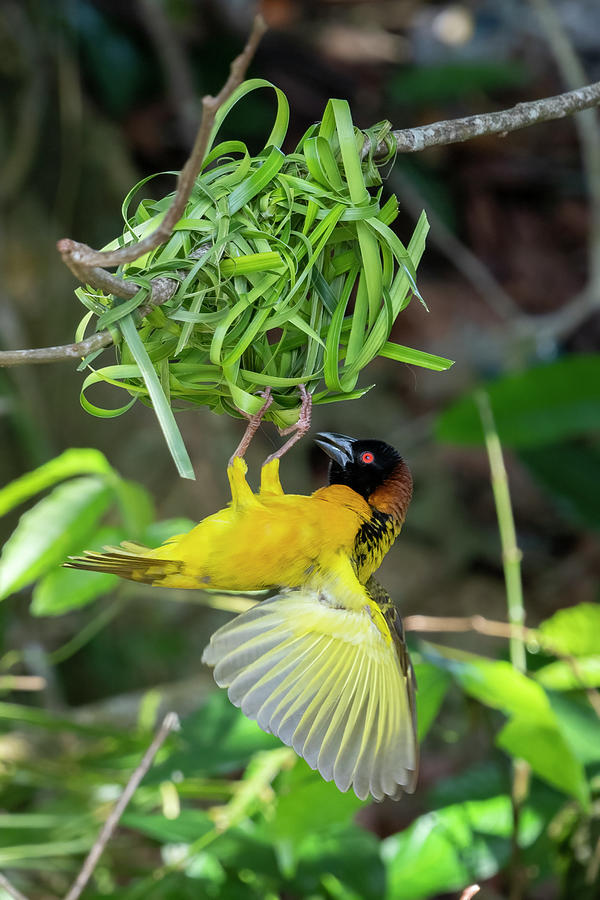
(326, 681)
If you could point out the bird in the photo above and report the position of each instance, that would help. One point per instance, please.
(322, 661)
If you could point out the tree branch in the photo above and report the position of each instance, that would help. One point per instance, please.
(170, 723)
(469, 892)
(162, 290)
(85, 263)
(453, 131)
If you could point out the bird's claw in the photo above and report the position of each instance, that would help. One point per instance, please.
(299, 429)
(253, 424)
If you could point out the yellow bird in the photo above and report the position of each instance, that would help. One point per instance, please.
(322, 664)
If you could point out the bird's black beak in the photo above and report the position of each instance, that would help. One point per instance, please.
(337, 446)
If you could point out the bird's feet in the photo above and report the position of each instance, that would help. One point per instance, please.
(297, 430)
(253, 425)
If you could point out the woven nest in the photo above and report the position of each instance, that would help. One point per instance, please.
(287, 272)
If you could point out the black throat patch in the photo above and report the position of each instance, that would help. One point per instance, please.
(374, 538)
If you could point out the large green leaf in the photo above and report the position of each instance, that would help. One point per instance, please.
(51, 530)
(71, 462)
(533, 732)
(550, 756)
(569, 472)
(306, 804)
(452, 847)
(495, 683)
(542, 405)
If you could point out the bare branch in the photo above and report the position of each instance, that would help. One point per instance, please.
(22, 683)
(453, 131)
(59, 353)
(162, 290)
(170, 723)
(469, 892)
(476, 623)
(85, 263)
(10, 889)
(80, 255)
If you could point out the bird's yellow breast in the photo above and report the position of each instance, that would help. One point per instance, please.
(271, 540)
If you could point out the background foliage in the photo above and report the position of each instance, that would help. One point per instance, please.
(248, 820)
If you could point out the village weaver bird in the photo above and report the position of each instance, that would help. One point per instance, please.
(322, 664)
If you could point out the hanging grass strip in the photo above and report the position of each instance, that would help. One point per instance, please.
(286, 271)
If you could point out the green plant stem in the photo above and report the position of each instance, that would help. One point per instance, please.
(511, 555)
(511, 559)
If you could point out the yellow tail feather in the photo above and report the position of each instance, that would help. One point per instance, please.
(325, 681)
(132, 561)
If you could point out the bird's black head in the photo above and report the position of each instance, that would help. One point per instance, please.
(371, 468)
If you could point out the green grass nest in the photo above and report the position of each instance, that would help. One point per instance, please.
(287, 270)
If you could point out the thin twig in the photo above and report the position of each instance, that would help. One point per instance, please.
(22, 683)
(475, 623)
(78, 255)
(170, 723)
(85, 262)
(10, 889)
(453, 131)
(470, 892)
(162, 290)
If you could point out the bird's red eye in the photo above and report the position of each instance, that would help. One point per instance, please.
(367, 457)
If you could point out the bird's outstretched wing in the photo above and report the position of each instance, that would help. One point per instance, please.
(328, 683)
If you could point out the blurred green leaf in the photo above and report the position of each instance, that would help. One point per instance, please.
(575, 630)
(495, 683)
(432, 684)
(216, 724)
(71, 462)
(189, 825)
(539, 406)
(447, 849)
(569, 472)
(544, 747)
(533, 731)
(563, 676)
(580, 725)
(349, 854)
(51, 530)
(479, 782)
(308, 805)
(64, 589)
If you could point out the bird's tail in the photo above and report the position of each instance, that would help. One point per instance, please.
(137, 563)
(327, 683)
